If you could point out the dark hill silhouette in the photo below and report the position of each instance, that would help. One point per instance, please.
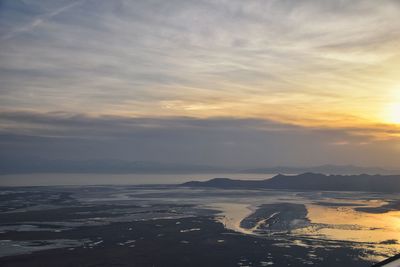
(311, 181)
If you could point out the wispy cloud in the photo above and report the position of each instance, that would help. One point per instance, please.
(213, 57)
(38, 21)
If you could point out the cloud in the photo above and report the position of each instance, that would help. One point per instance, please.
(249, 57)
(58, 124)
(230, 82)
(214, 141)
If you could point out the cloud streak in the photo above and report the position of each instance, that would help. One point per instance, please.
(38, 21)
(212, 141)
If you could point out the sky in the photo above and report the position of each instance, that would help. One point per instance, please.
(227, 83)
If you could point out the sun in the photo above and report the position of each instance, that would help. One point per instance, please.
(393, 113)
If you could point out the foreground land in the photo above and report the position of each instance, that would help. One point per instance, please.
(173, 226)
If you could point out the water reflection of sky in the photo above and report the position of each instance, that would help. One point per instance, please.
(377, 233)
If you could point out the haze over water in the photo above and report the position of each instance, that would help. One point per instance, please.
(52, 179)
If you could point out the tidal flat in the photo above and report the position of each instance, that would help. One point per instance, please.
(167, 225)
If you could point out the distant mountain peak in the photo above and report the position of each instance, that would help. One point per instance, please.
(325, 169)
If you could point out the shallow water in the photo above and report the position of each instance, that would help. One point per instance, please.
(330, 220)
(232, 214)
(376, 232)
(362, 226)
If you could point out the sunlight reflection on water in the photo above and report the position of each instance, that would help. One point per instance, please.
(379, 232)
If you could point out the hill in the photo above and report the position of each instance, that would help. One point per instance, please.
(311, 181)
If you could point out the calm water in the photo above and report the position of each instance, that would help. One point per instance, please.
(51, 179)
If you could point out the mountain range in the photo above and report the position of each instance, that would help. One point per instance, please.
(40, 165)
(325, 169)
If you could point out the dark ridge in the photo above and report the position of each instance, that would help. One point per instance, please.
(311, 181)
